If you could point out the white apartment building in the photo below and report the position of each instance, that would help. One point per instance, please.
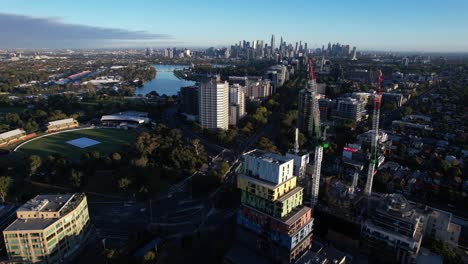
(214, 104)
(236, 103)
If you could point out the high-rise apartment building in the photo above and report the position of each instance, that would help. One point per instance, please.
(213, 98)
(236, 103)
(272, 220)
(272, 44)
(48, 229)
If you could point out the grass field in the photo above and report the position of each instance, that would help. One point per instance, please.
(111, 140)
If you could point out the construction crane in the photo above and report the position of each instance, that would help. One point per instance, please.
(312, 85)
(374, 139)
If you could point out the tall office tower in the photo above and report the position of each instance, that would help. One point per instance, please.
(48, 229)
(296, 47)
(236, 103)
(346, 51)
(322, 62)
(272, 219)
(272, 43)
(354, 57)
(214, 104)
(305, 47)
(259, 48)
(393, 233)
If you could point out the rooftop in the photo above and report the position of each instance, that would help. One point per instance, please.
(61, 122)
(45, 203)
(137, 119)
(62, 203)
(396, 206)
(11, 133)
(267, 156)
(133, 113)
(30, 224)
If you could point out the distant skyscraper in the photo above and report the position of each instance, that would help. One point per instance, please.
(214, 104)
(149, 52)
(354, 54)
(272, 44)
(322, 62)
(169, 53)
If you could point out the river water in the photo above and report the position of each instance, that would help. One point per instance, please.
(165, 81)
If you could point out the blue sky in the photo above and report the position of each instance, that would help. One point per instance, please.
(411, 25)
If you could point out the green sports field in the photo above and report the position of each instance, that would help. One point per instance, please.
(110, 140)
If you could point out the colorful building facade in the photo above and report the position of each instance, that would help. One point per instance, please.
(272, 219)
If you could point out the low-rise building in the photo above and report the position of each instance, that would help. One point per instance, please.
(349, 109)
(393, 232)
(11, 136)
(409, 125)
(128, 119)
(258, 89)
(48, 229)
(62, 124)
(439, 226)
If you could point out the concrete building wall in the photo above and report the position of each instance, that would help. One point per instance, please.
(285, 240)
(288, 226)
(236, 103)
(279, 208)
(270, 192)
(269, 171)
(214, 104)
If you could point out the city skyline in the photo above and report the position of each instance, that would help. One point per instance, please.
(395, 26)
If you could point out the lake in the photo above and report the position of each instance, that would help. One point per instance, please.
(165, 81)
